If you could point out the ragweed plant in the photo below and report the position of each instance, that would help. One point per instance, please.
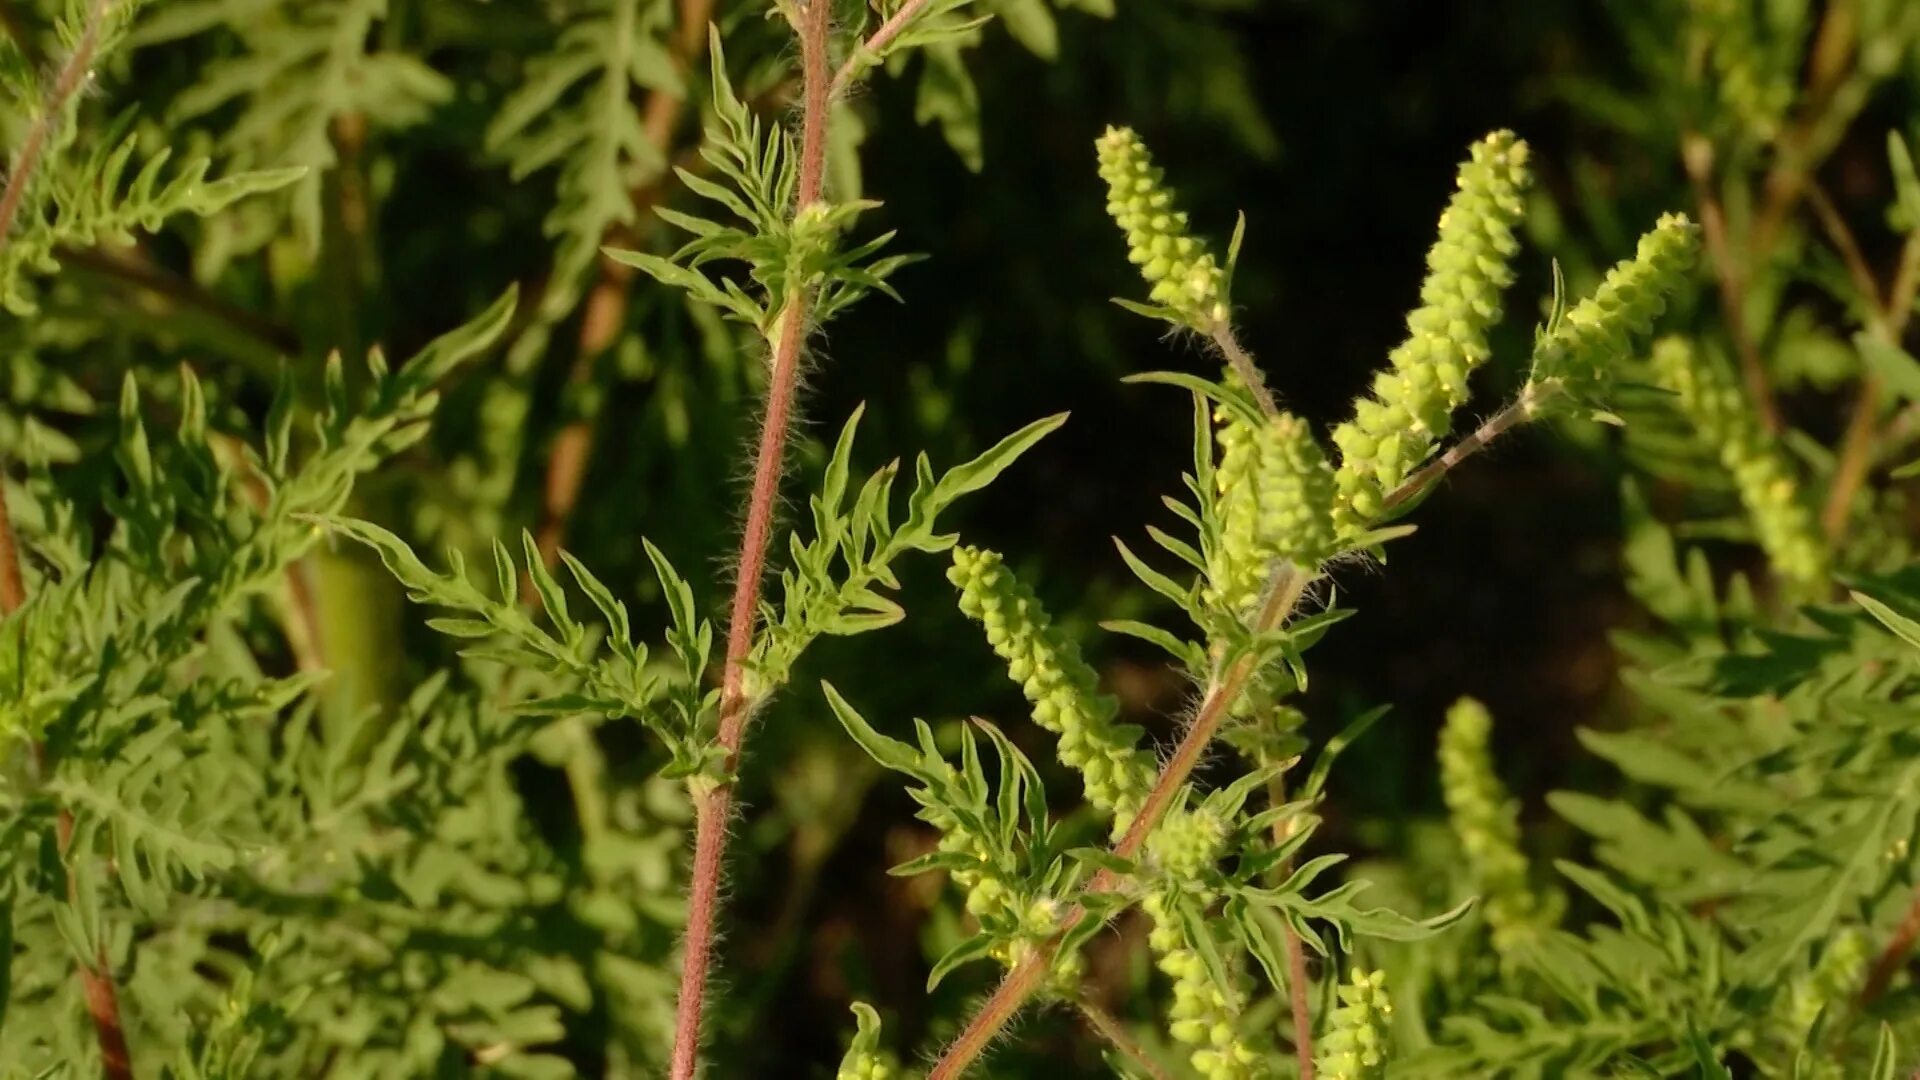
(1267, 516)
(1412, 404)
(402, 717)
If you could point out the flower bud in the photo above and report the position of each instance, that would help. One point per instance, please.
(1599, 331)
(1447, 334)
(1182, 273)
(1061, 686)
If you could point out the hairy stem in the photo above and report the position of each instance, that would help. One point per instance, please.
(1523, 408)
(1289, 584)
(1297, 998)
(72, 74)
(1243, 366)
(876, 41)
(103, 1001)
(1024, 978)
(715, 804)
(1117, 1036)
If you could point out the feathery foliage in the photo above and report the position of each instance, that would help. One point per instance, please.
(281, 795)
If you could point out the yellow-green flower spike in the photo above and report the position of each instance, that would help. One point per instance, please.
(1486, 820)
(1413, 400)
(1238, 567)
(1184, 277)
(1356, 1046)
(1710, 397)
(1062, 687)
(1182, 849)
(1295, 493)
(1274, 490)
(1186, 844)
(1599, 331)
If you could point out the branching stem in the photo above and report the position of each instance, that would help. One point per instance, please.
(1024, 978)
(1697, 154)
(1523, 408)
(1283, 594)
(876, 41)
(714, 806)
(1886, 320)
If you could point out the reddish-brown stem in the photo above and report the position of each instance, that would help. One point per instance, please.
(1697, 154)
(715, 804)
(103, 1002)
(1797, 150)
(1522, 409)
(876, 41)
(1243, 366)
(1026, 976)
(1297, 996)
(1886, 320)
(1894, 955)
(1289, 585)
(603, 317)
(1847, 248)
(1854, 459)
(72, 74)
(13, 586)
